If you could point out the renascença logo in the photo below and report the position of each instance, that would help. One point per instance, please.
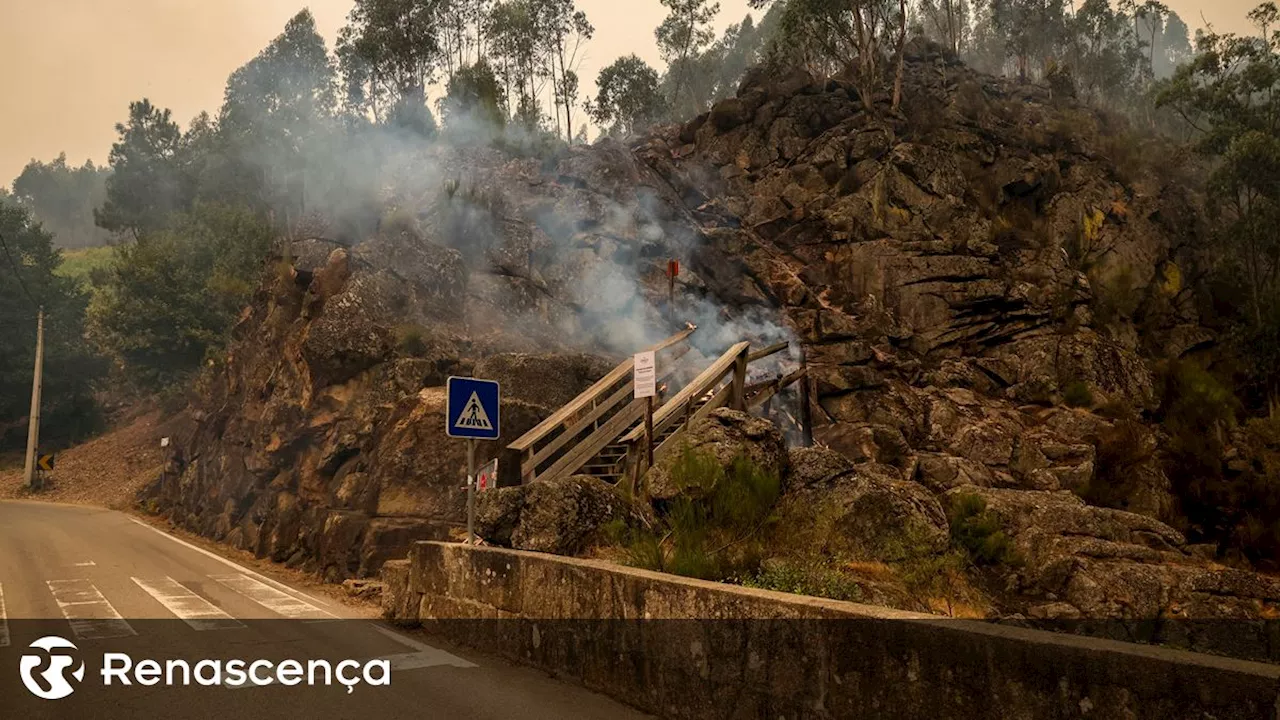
(52, 667)
(44, 672)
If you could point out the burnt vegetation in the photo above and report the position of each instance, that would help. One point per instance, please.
(309, 140)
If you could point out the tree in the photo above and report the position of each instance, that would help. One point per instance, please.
(947, 21)
(1230, 95)
(1173, 46)
(28, 278)
(628, 96)
(146, 185)
(171, 295)
(566, 30)
(841, 35)
(718, 70)
(1032, 29)
(392, 50)
(62, 199)
(1106, 56)
(278, 108)
(1152, 15)
(513, 30)
(684, 33)
(474, 105)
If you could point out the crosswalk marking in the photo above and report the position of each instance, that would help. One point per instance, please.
(4, 621)
(278, 602)
(192, 609)
(90, 615)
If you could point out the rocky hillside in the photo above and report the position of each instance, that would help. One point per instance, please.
(964, 277)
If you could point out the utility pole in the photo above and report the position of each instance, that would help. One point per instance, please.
(33, 421)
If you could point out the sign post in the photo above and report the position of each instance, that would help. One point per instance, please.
(473, 415)
(673, 269)
(471, 492)
(646, 383)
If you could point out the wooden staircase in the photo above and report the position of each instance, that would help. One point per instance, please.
(602, 431)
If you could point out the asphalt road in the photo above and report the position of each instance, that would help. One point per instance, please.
(100, 582)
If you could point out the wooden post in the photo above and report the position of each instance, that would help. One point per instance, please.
(673, 269)
(633, 469)
(527, 469)
(739, 398)
(33, 420)
(648, 431)
(806, 413)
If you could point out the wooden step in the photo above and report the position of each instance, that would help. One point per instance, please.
(597, 469)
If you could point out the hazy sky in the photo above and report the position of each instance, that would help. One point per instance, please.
(69, 68)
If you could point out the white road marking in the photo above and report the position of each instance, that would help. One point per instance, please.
(192, 609)
(272, 599)
(4, 621)
(314, 602)
(90, 615)
(230, 564)
(85, 564)
(426, 656)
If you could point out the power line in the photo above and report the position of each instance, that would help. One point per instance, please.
(16, 273)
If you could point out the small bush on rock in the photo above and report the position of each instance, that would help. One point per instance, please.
(978, 532)
(412, 340)
(1077, 395)
(812, 577)
(716, 535)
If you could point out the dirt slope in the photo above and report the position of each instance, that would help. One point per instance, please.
(107, 471)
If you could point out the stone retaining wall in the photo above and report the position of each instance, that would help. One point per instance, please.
(684, 648)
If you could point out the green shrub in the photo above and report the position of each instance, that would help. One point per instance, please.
(411, 340)
(1116, 296)
(810, 577)
(714, 530)
(977, 531)
(1077, 394)
(171, 296)
(1120, 449)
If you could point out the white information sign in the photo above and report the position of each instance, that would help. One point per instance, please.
(646, 375)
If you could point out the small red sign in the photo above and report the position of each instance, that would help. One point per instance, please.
(487, 478)
(673, 268)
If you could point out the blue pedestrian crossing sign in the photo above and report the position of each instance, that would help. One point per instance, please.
(473, 409)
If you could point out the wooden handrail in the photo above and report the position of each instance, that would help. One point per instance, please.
(706, 381)
(717, 401)
(766, 352)
(596, 413)
(774, 387)
(600, 387)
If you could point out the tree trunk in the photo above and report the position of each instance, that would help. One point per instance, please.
(902, 50)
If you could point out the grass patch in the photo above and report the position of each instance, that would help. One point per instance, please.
(814, 576)
(81, 265)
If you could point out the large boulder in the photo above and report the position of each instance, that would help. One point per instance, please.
(1075, 562)
(436, 275)
(549, 379)
(562, 516)
(723, 436)
(355, 330)
(871, 512)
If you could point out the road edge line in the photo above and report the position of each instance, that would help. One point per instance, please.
(230, 563)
